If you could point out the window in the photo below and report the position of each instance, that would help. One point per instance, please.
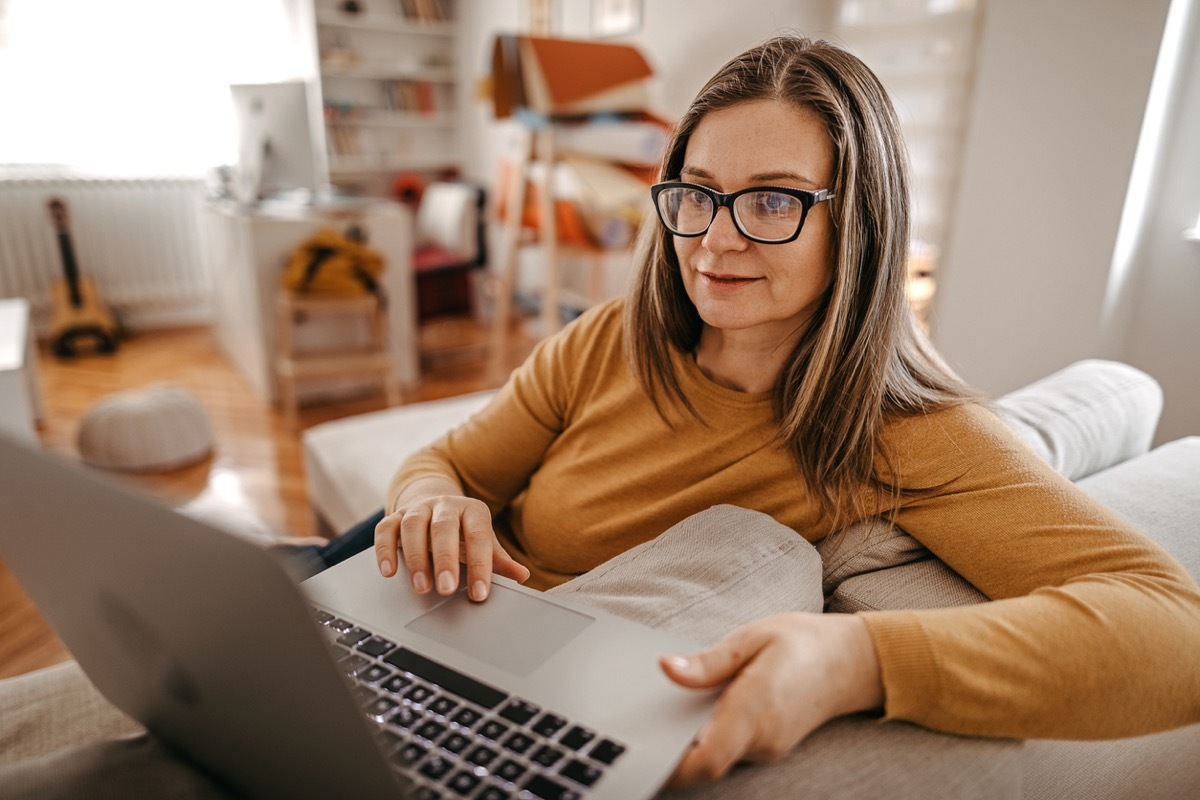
(132, 86)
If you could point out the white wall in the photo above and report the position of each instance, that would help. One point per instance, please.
(1058, 105)
(1156, 326)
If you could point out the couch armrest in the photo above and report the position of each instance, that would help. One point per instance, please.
(1087, 416)
(349, 462)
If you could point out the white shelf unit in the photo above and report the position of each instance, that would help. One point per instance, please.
(385, 91)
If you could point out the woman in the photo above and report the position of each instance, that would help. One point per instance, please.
(767, 358)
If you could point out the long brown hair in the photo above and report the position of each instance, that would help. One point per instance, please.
(863, 358)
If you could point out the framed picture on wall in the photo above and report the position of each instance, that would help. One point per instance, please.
(616, 17)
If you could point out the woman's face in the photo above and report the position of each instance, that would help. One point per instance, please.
(767, 290)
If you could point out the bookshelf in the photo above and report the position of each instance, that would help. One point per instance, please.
(385, 90)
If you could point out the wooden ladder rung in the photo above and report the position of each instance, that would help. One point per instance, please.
(330, 365)
(331, 304)
(292, 367)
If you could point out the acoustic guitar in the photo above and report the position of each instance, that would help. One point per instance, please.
(78, 313)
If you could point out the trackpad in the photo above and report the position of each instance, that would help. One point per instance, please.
(513, 631)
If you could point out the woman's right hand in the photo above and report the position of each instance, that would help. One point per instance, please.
(434, 533)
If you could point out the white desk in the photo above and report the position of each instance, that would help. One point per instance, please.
(20, 389)
(247, 249)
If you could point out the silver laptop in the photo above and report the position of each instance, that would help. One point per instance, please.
(349, 685)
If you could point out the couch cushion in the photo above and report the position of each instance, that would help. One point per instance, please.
(856, 757)
(349, 462)
(1162, 765)
(55, 708)
(1087, 416)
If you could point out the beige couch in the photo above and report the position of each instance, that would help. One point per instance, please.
(1094, 421)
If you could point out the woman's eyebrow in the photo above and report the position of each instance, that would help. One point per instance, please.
(765, 178)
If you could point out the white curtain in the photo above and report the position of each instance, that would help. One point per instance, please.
(132, 87)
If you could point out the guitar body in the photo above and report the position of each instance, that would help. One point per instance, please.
(89, 320)
(79, 316)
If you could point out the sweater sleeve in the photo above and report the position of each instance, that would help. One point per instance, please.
(1094, 631)
(493, 454)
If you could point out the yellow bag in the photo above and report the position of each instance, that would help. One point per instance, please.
(329, 262)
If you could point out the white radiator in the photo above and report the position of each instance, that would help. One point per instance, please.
(136, 240)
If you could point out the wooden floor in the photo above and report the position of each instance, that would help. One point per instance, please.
(256, 465)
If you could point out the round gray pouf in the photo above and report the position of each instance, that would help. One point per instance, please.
(157, 428)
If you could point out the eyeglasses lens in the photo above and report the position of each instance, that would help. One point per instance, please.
(769, 215)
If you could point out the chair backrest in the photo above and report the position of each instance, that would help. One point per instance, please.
(451, 220)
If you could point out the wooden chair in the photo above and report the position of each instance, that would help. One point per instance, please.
(293, 367)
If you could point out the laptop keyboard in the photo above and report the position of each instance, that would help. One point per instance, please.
(456, 737)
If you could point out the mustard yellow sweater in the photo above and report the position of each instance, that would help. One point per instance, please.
(1094, 632)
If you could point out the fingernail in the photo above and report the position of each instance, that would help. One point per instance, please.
(420, 583)
(679, 663)
(479, 591)
(385, 568)
(445, 582)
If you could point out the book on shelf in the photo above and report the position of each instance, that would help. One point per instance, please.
(414, 96)
(427, 10)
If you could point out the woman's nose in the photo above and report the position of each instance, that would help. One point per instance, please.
(722, 234)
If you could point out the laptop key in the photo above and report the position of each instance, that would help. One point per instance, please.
(339, 624)
(510, 770)
(518, 742)
(576, 738)
(405, 717)
(519, 711)
(582, 773)
(463, 782)
(379, 708)
(607, 751)
(419, 693)
(548, 724)
(372, 674)
(546, 789)
(430, 730)
(352, 664)
(547, 756)
(455, 743)
(451, 680)
(466, 717)
(376, 646)
(493, 729)
(436, 767)
(492, 793)
(353, 637)
(442, 705)
(396, 684)
(482, 756)
(410, 753)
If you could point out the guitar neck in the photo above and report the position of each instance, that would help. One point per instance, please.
(70, 268)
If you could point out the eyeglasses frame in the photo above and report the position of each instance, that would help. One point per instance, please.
(720, 200)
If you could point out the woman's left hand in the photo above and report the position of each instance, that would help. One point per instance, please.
(787, 676)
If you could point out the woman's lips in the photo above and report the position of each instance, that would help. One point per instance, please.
(726, 282)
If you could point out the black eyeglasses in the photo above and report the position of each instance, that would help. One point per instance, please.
(764, 214)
